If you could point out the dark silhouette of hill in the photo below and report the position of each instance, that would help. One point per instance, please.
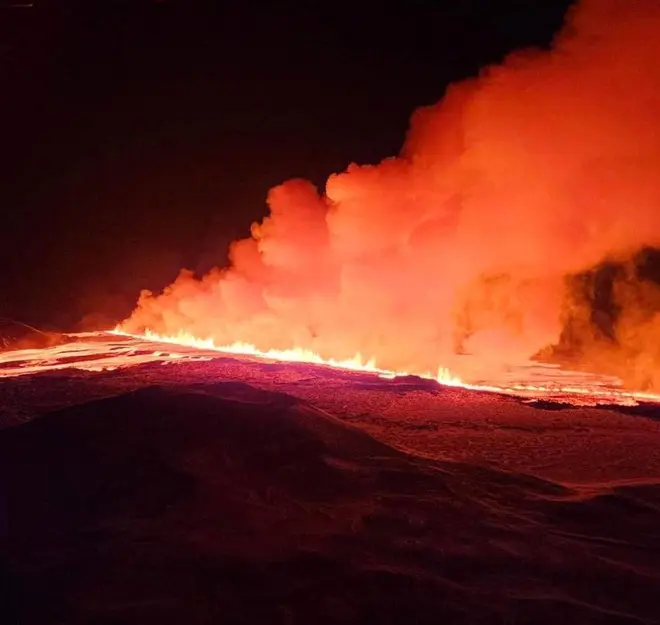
(222, 503)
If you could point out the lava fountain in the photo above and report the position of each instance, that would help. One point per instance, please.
(542, 167)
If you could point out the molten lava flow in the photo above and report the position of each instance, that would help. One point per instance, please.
(96, 352)
(295, 354)
(589, 389)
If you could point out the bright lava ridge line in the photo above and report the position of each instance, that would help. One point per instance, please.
(591, 395)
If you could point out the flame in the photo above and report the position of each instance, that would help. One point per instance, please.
(96, 352)
(295, 354)
(595, 392)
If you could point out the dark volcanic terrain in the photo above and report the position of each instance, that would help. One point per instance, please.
(231, 490)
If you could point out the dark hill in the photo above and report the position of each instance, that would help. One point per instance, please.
(221, 503)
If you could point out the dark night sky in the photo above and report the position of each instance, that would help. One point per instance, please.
(139, 137)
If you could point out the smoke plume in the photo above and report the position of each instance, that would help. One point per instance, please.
(542, 167)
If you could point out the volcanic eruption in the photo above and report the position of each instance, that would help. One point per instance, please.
(172, 471)
(466, 243)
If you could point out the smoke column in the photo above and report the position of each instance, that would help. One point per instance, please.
(544, 166)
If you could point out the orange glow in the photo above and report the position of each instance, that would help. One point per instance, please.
(541, 168)
(108, 351)
(593, 392)
(296, 354)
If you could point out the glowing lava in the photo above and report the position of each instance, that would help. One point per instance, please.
(296, 354)
(586, 389)
(96, 352)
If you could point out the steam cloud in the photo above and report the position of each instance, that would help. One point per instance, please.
(542, 167)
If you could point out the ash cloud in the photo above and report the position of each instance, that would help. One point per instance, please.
(542, 167)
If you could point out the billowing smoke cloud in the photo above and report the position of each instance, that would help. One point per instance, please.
(544, 166)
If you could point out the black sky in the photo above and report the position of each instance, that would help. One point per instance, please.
(139, 137)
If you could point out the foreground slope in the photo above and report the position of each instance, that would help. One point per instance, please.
(222, 502)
